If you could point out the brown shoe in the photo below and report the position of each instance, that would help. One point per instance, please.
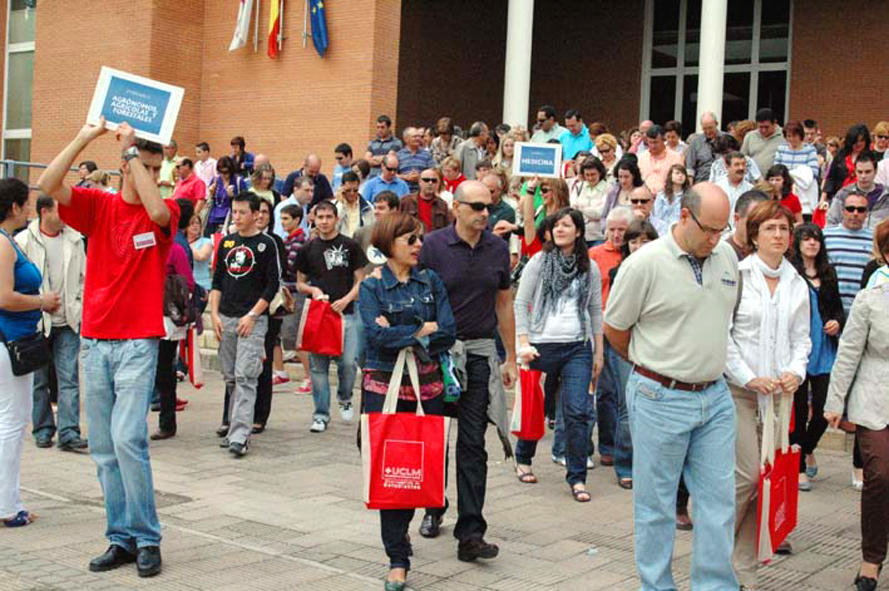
(158, 435)
(606, 459)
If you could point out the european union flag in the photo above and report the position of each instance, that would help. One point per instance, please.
(319, 27)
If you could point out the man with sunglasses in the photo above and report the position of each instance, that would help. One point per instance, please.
(432, 211)
(668, 313)
(474, 266)
(130, 234)
(387, 180)
(547, 127)
(849, 246)
(865, 184)
(642, 202)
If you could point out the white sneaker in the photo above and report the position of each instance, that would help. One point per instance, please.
(560, 460)
(288, 355)
(590, 464)
(318, 426)
(857, 484)
(346, 412)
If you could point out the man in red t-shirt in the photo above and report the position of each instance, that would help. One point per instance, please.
(130, 234)
(190, 186)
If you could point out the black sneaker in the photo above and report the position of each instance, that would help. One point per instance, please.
(470, 550)
(76, 443)
(223, 442)
(239, 450)
(115, 556)
(43, 442)
(148, 561)
(865, 583)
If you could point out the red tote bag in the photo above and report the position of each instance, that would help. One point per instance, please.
(778, 500)
(403, 454)
(320, 329)
(191, 350)
(528, 417)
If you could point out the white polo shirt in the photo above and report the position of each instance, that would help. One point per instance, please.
(679, 327)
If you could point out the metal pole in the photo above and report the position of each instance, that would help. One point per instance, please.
(306, 25)
(281, 25)
(256, 29)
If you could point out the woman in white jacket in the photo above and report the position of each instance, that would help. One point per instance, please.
(767, 355)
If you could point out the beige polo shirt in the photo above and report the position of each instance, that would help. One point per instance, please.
(679, 328)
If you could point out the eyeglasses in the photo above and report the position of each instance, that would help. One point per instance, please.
(854, 209)
(706, 230)
(639, 201)
(477, 205)
(429, 180)
(412, 238)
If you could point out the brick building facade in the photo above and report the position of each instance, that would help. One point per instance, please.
(413, 59)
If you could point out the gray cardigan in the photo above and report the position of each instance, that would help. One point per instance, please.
(861, 369)
(529, 296)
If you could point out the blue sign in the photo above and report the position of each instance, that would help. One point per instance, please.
(143, 107)
(538, 159)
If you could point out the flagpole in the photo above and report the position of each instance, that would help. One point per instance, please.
(281, 25)
(256, 29)
(305, 25)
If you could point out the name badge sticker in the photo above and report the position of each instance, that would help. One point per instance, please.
(146, 240)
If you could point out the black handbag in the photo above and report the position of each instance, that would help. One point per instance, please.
(28, 354)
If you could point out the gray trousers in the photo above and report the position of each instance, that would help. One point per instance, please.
(241, 361)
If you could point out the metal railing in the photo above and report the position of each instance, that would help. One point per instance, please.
(15, 168)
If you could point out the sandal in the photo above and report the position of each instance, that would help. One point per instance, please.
(625, 483)
(581, 495)
(21, 519)
(525, 477)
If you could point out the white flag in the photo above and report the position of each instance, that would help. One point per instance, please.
(242, 27)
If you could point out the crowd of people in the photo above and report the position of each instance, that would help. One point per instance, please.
(675, 293)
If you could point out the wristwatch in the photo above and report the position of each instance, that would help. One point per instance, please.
(252, 314)
(129, 153)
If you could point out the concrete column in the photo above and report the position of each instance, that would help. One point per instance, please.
(712, 59)
(517, 75)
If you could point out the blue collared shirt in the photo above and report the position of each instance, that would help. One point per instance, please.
(377, 185)
(409, 162)
(406, 306)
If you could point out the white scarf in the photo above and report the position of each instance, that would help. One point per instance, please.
(774, 328)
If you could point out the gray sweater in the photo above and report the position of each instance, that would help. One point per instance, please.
(530, 293)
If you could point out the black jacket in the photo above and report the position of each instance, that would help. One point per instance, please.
(830, 305)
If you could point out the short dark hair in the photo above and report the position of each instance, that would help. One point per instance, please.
(597, 128)
(810, 124)
(350, 177)
(250, 197)
(44, 202)
(654, 131)
(783, 172)
(363, 165)
(747, 199)
(725, 143)
(90, 165)
(502, 128)
(868, 156)
(344, 149)
(186, 210)
(238, 141)
(228, 163)
(483, 164)
(12, 191)
(144, 145)
(765, 114)
(634, 230)
(548, 110)
(187, 162)
(593, 163)
(326, 204)
(573, 113)
(203, 146)
(673, 125)
(390, 227)
(385, 119)
(293, 210)
(734, 155)
(390, 198)
(794, 127)
(763, 212)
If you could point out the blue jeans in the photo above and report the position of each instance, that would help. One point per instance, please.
(65, 349)
(607, 404)
(118, 378)
(623, 441)
(346, 367)
(690, 434)
(573, 363)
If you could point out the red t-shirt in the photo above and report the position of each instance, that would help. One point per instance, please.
(425, 212)
(126, 261)
(792, 203)
(192, 188)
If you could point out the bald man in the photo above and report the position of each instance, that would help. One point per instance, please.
(312, 169)
(668, 314)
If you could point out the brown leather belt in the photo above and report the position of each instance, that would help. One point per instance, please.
(670, 382)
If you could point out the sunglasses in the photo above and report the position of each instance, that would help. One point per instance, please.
(413, 238)
(349, 191)
(853, 209)
(541, 121)
(338, 158)
(390, 169)
(639, 201)
(429, 180)
(477, 205)
(883, 137)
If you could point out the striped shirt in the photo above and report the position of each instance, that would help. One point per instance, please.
(848, 251)
(805, 156)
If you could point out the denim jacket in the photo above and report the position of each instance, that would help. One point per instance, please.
(406, 306)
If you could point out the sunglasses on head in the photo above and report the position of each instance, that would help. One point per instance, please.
(477, 205)
(854, 209)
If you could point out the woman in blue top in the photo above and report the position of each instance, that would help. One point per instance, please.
(220, 193)
(827, 319)
(403, 307)
(21, 305)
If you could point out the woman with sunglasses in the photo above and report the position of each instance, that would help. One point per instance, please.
(809, 257)
(226, 185)
(609, 152)
(553, 197)
(403, 307)
(558, 309)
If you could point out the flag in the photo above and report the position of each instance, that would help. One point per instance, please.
(242, 26)
(319, 27)
(274, 27)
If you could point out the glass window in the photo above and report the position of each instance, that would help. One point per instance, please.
(774, 31)
(692, 33)
(739, 32)
(19, 84)
(18, 150)
(772, 92)
(665, 39)
(735, 97)
(22, 18)
(663, 98)
(689, 103)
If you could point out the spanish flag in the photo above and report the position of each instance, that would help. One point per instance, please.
(274, 27)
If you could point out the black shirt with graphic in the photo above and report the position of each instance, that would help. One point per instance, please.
(248, 269)
(331, 264)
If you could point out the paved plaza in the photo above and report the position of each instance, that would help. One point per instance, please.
(290, 516)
